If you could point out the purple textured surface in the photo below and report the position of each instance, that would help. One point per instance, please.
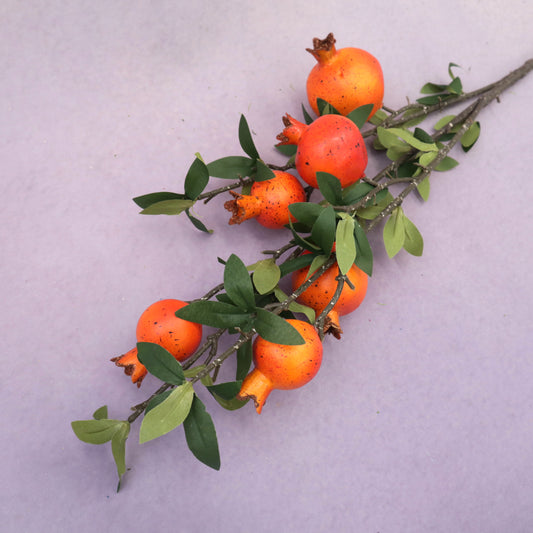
(420, 417)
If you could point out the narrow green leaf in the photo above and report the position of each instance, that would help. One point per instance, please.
(318, 261)
(231, 167)
(423, 136)
(387, 138)
(396, 152)
(201, 435)
(245, 139)
(118, 447)
(394, 232)
(323, 230)
(300, 241)
(295, 264)
(100, 413)
(306, 212)
(244, 360)
(153, 198)
(345, 247)
(198, 224)
(295, 307)
(237, 283)
(450, 67)
(168, 415)
(168, 207)
(275, 329)
(262, 172)
(431, 100)
(214, 314)
(359, 116)
(160, 363)
(410, 139)
(426, 159)
(414, 243)
(378, 117)
(325, 108)
(288, 150)
(266, 276)
(95, 431)
(330, 187)
(196, 179)
(364, 257)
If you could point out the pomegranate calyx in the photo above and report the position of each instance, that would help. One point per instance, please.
(132, 366)
(293, 130)
(323, 49)
(243, 207)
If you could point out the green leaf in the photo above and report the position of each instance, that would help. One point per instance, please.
(378, 117)
(444, 121)
(431, 100)
(201, 435)
(244, 360)
(262, 172)
(168, 415)
(96, 431)
(198, 224)
(295, 307)
(160, 363)
(156, 400)
(345, 249)
(414, 243)
(410, 139)
(356, 192)
(426, 159)
(471, 136)
(423, 136)
(295, 264)
(118, 447)
(330, 187)
(394, 232)
(237, 283)
(196, 179)
(318, 261)
(214, 314)
(298, 239)
(306, 212)
(286, 149)
(450, 72)
(266, 276)
(148, 199)
(323, 230)
(423, 188)
(364, 258)
(325, 108)
(396, 152)
(455, 87)
(100, 413)
(226, 391)
(388, 138)
(307, 117)
(245, 139)
(168, 207)
(232, 167)
(446, 164)
(275, 329)
(360, 115)
(432, 88)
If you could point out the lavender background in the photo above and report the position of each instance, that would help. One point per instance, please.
(420, 418)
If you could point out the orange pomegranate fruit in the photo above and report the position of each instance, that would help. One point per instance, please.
(268, 201)
(346, 78)
(319, 294)
(159, 324)
(331, 143)
(279, 366)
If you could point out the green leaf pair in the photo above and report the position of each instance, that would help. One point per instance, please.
(399, 232)
(241, 311)
(469, 138)
(100, 430)
(440, 92)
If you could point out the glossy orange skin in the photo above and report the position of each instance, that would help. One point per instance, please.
(159, 324)
(319, 294)
(346, 78)
(331, 143)
(282, 367)
(268, 201)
